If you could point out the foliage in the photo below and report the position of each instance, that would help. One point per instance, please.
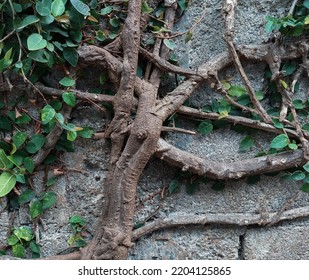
(77, 224)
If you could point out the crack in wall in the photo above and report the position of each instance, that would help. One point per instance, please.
(241, 246)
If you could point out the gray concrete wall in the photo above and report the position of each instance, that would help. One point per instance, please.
(79, 193)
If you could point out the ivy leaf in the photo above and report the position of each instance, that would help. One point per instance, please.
(306, 167)
(106, 10)
(35, 144)
(288, 68)
(86, 132)
(29, 164)
(28, 20)
(205, 127)
(173, 186)
(26, 196)
(12, 240)
(69, 98)
(48, 113)
(277, 123)
(19, 138)
(43, 7)
(18, 251)
(298, 176)
(298, 104)
(5, 163)
(7, 183)
(67, 82)
(236, 91)
(306, 4)
(71, 56)
(246, 144)
(76, 219)
(305, 187)
(293, 146)
(34, 247)
(36, 208)
(146, 8)
(48, 200)
(57, 8)
(71, 135)
(24, 233)
(182, 4)
(169, 44)
(39, 56)
(81, 7)
(280, 141)
(36, 42)
(188, 37)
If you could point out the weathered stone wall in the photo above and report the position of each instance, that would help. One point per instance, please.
(80, 192)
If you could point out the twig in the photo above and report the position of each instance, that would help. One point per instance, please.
(234, 219)
(176, 129)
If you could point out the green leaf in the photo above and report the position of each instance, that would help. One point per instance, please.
(259, 95)
(71, 135)
(51, 181)
(106, 10)
(288, 68)
(305, 187)
(4, 161)
(191, 188)
(236, 91)
(23, 119)
(43, 7)
(48, 200)
(24, 233)
(71, 56)
(298, 104)
(69, 98)
(26, 196)
(36, 42)
(35, 144)
(57, 8)
(306, 4)
(48, 113)
(298, 176)
(81, 7)
(85, 133)
(306, 167)
(173, 186)
(188, 36)
(280, 141)
(34, 247)
(29, 164)
(7, 183)
(12, 240)
(277, 123)
(170, 44)
(293, 146)
(67, 82)
(18, 251)
(146, 8)
(19, 138)
(39, 56)
(182, 4)
(28, 20)
(36, 208)
(114, 22)
(76, 219)
(246, 144)
(205, 127)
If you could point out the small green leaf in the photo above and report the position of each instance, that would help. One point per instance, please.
(71, 135)
(7, 183)
(305, 187)
(12, 240)
(169, 44)
(67, 82)
(114, 22)
(24, 233)
(36, 42)
(288, 68)
(85, 133)
(76, 219)
(69, 98)
(19, 138)
(280, 141)
(43, 7)
(246, 144)
(5, 163)
(298, 104)
(106, 10)
(259, 95)
(18, 251)
(23, 119)
(298, 176)
(36, 208)
(205, 127)
(28, 20)
(51, 181)
(71, 56)
(26, 196)
(284, 84)
(57, 8)
(306, 167)
(292, 146)
(34, 247)
(173, 186)
(48, 200)
(146, 8)
(35, 144)
(29, 164)
(188, 36)
(39, 56)
(236, 91)
(277, 123)
(81, 7)
(48, 113)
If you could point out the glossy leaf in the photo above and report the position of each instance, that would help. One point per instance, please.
(246, 144)
(48, 113)
(36, 42)
(205, 127)
(35, 144)
(12, 240)
(28, 20)
(67, 82)
(81, 7)
(19, 138)
(69, 98)
(280, 141)
(7, 183)
(48, 200)
(43, 7)
(36, 208)
(57, 8)
(26, 196)
(71, 56)
(18, 251)
(106, 10)
(24, 233)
